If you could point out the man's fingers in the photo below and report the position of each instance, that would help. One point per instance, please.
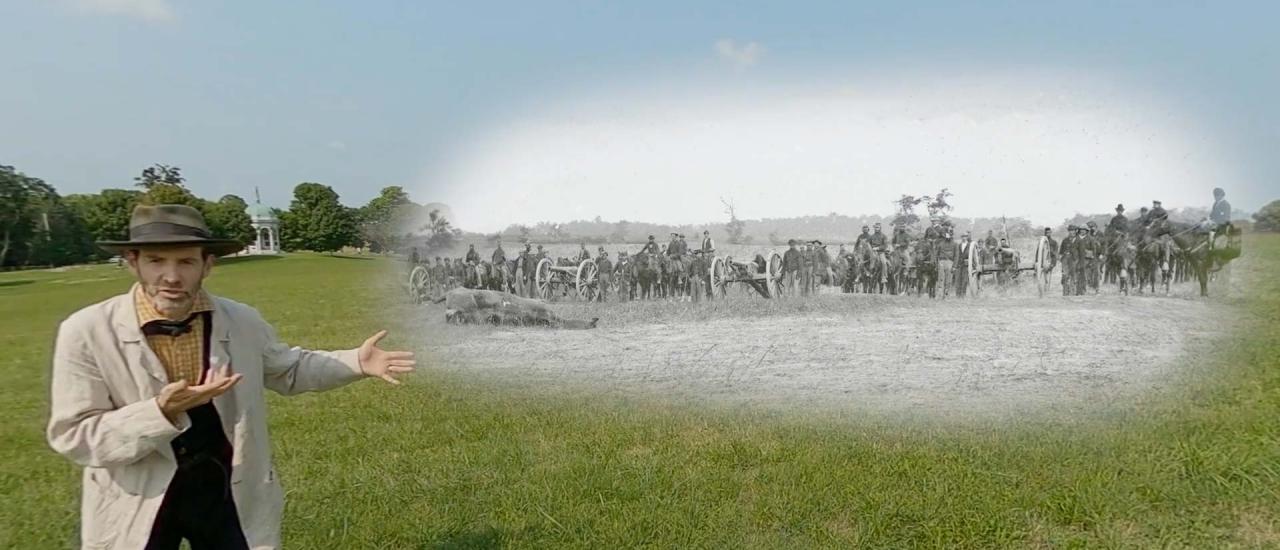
(399, 355)
(373, 340)
(390, 379)
(398, 369)
(402, 362)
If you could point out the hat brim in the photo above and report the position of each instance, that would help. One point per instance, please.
(217, 247)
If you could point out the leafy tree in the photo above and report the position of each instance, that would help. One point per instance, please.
(15, 224)
(160, 174)
(316, 220)
(1268, 217)
(227, 219)
(619, 234)
(170, 193)
(383, 222)
(106, 214)
(440, 234)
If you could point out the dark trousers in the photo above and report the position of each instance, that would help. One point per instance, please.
(198, 506)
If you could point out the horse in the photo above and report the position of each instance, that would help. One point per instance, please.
(676, 276)
(1197, 250)
(647, 271)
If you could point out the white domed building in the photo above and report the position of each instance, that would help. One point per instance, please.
(265, 225)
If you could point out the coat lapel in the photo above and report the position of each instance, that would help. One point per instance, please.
(136, 350)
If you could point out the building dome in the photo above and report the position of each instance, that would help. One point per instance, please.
(260, 212)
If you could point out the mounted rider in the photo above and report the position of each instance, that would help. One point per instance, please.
(708, 246)
(473, 257)
(499, 257)
(650, 247)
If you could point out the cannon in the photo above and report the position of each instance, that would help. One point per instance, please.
(1040, 265)
(583, 279)
(765, 279)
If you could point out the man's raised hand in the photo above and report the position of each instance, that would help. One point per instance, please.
(375, 361)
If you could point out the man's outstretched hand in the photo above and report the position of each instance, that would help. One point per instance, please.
(375, 361)
(178, 397)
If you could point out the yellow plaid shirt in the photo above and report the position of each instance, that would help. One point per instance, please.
(181, 355)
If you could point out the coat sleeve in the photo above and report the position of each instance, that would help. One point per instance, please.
(85, 425)
(292, 370)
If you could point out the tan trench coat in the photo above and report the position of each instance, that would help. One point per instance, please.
(105, 418)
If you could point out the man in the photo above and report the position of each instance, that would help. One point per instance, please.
(1118, 223)
(1157, 212)
(1006, 261)
(1051, 247)
(697, 276)
(449, 274)
(1088, 250)
(684, 245)
(791, 264)
(708, 246)
(499, 256)
(866, 234)
(901, 240)
(473, 257)
(991, 243)
(583, 254)
(1220, 212)
(962, 264)
(622, 274)
(604, 271)
(528, 264)
(944, 254)
(1144, 217)
(807, 261)
(877, 240)
(673, 246)
(1067, 255)
(413, 258)
(158, 393)
(934, 232)
(540, 254)
(650, 247)
(1099, 248)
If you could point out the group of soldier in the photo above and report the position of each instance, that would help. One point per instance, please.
(934, 258)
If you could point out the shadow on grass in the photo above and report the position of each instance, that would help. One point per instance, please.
(341, 257)
(484, 538)
(18, 282)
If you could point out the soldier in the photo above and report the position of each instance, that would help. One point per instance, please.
(697, 276)
(413, 258)
(473, 257)
(900, 237)
(650, 247)
(1088, 250)
(684, 245)
(1006, 261)
(604, 271)
(934, 232)
(1144, 217)
(991, 243)
(1099, 247)
(448, 274)
(499, 256)
(962, 264)
(877, 240)
(1118, 223)
(583, 255)
(1220, 212)
(807, 260)
(944, 256)
(1067, 255)
(1158, 213)
(791, 265)
(673, 247)
(528, 263)
(622, 275)
(540, 254)
(866, 234)
(708, 246)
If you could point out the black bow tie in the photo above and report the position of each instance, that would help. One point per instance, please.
(168, 328)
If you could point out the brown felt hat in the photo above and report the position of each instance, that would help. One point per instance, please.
(168, 225)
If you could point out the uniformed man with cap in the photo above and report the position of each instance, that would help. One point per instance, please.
(697, 276)
(1067, 255)
(1158, 212)
(866, 234)
(1220, 215)
(935, 230)
(807, 260)
(583, 254)
(528, 263)
(1051, 246)
(473, 257)
(791, 265)
(1089, 251)
(708, 246)
(622, 276)
(604, 273)
(499, 255)
(673, 247)
(1144, 217)
(1118, 223)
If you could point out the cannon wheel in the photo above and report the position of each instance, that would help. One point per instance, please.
(975, 272)
(774, 274)
(587, 280)
(418, 284)
(718, 274)
(1042, 265)
(542, 277)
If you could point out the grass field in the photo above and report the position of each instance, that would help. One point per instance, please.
(456, 461)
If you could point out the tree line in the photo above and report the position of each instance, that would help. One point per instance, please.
(39, 227)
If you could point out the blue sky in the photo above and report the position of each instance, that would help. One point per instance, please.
(359, 95)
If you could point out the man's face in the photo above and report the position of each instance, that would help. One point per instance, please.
(170, 277)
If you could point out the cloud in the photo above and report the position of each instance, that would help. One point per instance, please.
(740, 56)
(152, 11)
(337, 145)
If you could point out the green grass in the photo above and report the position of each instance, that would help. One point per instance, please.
(453, 462)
